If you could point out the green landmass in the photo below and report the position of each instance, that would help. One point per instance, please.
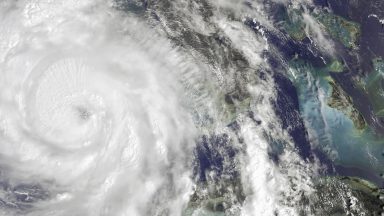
(336, 67)
(216, 198)
(341, 29)
(331, 196)
(338, 99)
(293, 24)
(346, 196)
(341, 101)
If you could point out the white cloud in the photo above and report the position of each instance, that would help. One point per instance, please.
(90, 108)
(315, 31)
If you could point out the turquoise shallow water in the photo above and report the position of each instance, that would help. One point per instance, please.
(332, 130)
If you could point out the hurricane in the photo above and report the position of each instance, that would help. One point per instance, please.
(185, 107)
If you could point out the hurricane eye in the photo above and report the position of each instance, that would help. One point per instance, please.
(83, 113)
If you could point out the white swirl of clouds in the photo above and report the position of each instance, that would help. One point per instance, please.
(91, 110)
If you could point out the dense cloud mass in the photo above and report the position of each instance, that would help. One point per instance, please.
(90, 113)
(123, 107)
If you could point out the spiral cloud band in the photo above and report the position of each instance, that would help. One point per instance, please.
(91, 121)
